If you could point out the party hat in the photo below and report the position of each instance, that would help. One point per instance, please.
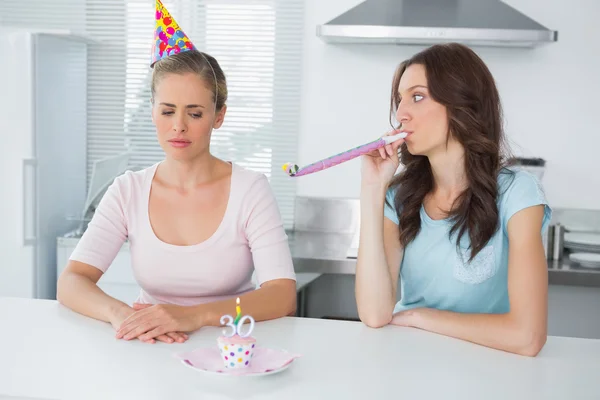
(169, 39)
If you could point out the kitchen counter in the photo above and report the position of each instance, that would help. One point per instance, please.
(327, 253)
(51, 352)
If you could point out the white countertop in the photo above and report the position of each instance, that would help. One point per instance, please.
(49, 352)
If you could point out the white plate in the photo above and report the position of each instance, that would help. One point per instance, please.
(265, 361)
(582, 248)
(588, 260)
(583, 238)
(276, 371)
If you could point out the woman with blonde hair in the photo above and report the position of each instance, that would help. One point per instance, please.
(198, 227)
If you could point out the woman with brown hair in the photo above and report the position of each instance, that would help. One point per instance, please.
(463, 231)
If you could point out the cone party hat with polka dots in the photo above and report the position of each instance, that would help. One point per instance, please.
(169, 38)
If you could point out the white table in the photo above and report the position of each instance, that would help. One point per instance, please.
(49, 352)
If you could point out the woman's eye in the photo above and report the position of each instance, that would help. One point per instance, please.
(167, 112)
(418, 97)
(197, 115)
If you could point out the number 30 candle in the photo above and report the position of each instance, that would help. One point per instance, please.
(236, 325)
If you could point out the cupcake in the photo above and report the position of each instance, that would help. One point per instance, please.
(236, 351)
(236, 347)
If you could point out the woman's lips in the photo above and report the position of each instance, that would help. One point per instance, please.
(179, 143)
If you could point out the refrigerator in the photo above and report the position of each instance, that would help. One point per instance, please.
(43, 107)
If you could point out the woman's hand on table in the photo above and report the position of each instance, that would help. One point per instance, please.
(122, 314)
(154, 321)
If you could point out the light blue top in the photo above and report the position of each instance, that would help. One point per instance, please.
(434, 275)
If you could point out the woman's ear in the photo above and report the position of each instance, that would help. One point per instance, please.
(220, 117)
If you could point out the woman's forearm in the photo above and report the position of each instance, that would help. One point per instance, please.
(498, 331)
(374, 290)
(83, 296)
(273, 300)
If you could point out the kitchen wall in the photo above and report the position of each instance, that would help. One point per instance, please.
(548, 96)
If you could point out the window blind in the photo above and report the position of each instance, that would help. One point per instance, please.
(257, 42)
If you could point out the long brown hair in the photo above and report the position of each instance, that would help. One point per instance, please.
(458, 79)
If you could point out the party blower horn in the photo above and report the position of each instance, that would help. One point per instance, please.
(293, 170)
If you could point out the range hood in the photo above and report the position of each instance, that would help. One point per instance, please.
(425, 22)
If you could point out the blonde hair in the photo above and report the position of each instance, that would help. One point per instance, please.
(193, 61)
